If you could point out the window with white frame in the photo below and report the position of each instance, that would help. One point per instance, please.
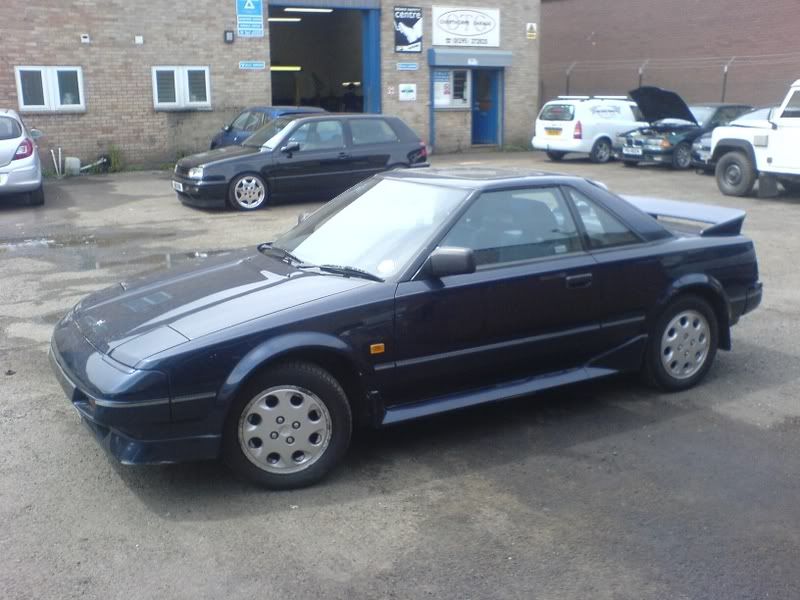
(181, 88)
(50, 89)
(452, 88)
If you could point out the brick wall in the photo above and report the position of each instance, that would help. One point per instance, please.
(117, 73)
(687, 42)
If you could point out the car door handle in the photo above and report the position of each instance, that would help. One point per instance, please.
(582, 280)
(344, 155)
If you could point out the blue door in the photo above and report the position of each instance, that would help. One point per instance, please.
(485, 106)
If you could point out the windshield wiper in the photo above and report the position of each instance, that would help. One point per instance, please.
(349, 272)
(284, 254)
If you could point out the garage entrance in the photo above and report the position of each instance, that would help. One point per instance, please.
(326, 57)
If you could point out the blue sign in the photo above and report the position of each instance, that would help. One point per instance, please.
(252, 65)
(249, 18)
(407, 66)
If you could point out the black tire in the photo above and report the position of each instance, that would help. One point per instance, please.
(601, 151)
(735, 174)
(682, 156)
(308, 379)
(630, 163)
(554, 155)
(36, 197)
(239, 192)
(792, 186)
(654, 370)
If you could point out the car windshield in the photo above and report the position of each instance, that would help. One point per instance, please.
(759, 114)
(701, 113)
(270, 133)
(377, 226)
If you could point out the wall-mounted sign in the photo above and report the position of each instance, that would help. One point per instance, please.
(530, 31)
(466, 26)
(252, 65)
(442, 90)
(407, 29)
(407, 66)
(249, 18)
(407, 92)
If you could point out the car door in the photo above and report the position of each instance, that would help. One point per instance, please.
(529, 308)
(628, 278)
(785, 138)
(320, 167)
(373, 141)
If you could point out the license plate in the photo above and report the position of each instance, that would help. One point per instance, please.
(631, 151)
(177, 186)
(553, 131)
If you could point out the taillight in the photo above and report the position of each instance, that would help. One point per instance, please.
(24, 150)
(578, 134)
(423, 150)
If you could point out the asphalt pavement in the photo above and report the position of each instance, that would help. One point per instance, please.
(602, 491)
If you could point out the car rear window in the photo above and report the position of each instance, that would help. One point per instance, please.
(372, 131)
(557, 112)
(9, 129)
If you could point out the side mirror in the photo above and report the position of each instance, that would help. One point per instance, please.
(770, 116)
(302, 217)
(36, 134)
(290, 147)
(446, 261)
(226, 128)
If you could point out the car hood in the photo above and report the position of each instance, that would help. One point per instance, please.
(657, 104)
(218, 154)
(134, 320)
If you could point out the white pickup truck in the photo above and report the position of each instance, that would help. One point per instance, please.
(766, 150)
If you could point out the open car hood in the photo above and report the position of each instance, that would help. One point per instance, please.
(657, 104)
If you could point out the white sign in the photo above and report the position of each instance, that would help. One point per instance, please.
(249, 18)
(407, 92)
(473, 27)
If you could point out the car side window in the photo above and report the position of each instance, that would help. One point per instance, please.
(514, 225)
(792, 110)
(254, 122)
(602, 228)
(240, 121)
(372, 131)
(318, 135)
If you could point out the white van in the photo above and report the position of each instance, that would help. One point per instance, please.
(584, 124)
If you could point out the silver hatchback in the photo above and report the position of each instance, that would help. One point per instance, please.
(20, 167)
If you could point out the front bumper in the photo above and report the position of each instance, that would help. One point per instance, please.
(701, 160)
(21, 176)
(134, 431)
(203, 194)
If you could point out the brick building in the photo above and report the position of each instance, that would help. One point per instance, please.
(156, 80)
(682, 45)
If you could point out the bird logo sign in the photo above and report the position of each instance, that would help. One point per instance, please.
(407, 29)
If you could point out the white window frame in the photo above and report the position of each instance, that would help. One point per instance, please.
(181, 75)
(461, 104)
(50, 89)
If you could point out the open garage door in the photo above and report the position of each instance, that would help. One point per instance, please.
(326, 57)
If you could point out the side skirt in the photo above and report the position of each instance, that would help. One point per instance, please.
(624, 358)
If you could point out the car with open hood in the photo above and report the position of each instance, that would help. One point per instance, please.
(673, 127)
(414, 293)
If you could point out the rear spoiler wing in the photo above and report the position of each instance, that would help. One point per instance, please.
(719, 220)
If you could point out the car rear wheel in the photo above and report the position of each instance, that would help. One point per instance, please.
(289, 427)
(36, 197)
(735, 174)
(682, 156)
(601, 151)
(554, 155)
(683, 344)
(248, 192)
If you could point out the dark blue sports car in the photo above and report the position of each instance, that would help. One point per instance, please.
(412, 293)
(251, 119)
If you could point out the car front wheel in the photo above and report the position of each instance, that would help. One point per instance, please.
(682, 156)
(735, 174)
(683, 344)
(289, 427)
(248, 192)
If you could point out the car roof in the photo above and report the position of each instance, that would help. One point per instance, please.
(719, 105)
(286, 109)
(8, 112)
(479, 178)
(327, 115)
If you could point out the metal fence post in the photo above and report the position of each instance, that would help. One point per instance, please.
(725, 77)
(641, 71)
(568, 73)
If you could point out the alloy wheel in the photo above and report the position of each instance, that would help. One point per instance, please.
(685, 344)
(249, 192)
